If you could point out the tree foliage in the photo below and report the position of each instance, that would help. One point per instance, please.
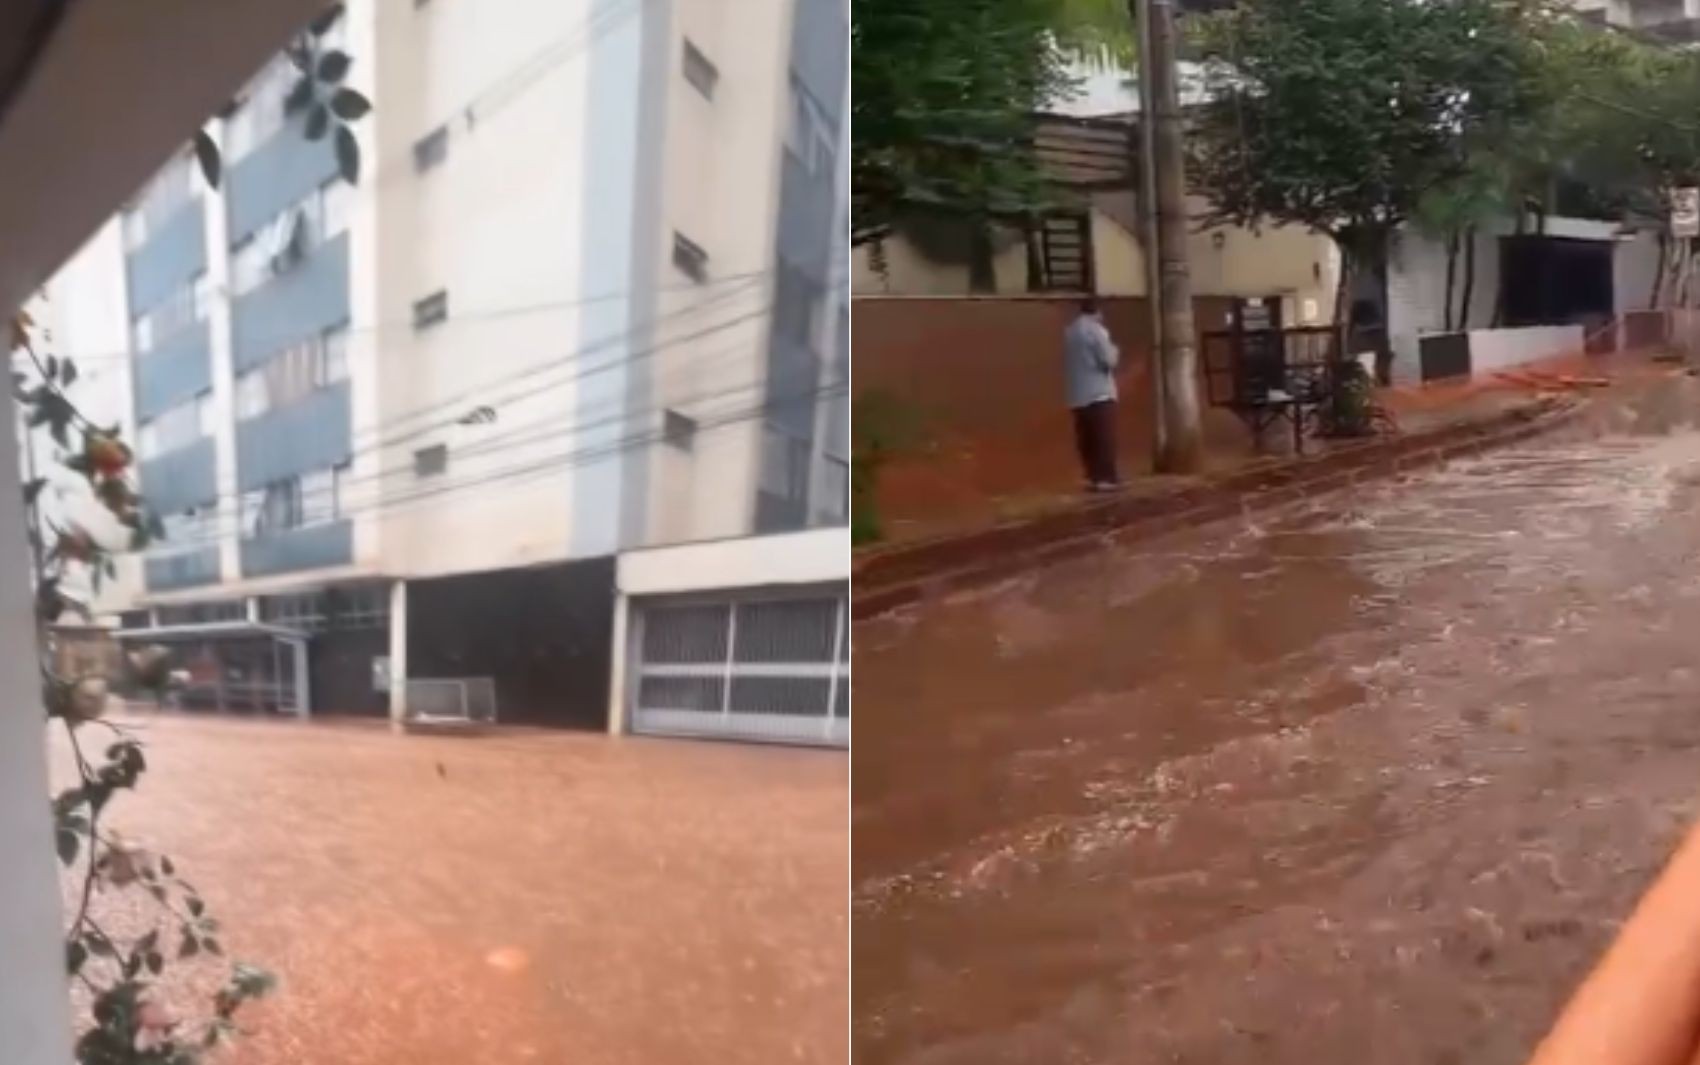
(125, 978)
(1343, 115)
(945, 94)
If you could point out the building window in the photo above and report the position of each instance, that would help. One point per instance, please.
(187, 304)
(431, 149)
(336, 198)
(430, 310)
(293, 502)
(294, 373)
(285, 239)
(336, 354)
(690, 257)
(176, 426)
(261, 112)
(699, 71)
(679, 430)
(158, 200)
(808, 133)
(431, 461)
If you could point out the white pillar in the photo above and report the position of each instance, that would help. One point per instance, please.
(398, 652)
(35, 1005)
(619, 657)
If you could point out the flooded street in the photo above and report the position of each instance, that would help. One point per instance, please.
(1373, 780)
(529, 898)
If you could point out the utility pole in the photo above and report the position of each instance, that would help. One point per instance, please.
(1178, 355)
(1141, 19)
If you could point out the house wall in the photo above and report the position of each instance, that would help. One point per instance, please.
(1635, 266)
(1292, 263)
(1416, 293)
(981, 379)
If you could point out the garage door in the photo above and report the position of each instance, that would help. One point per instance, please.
(757, 666)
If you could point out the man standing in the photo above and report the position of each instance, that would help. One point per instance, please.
(1089, 363)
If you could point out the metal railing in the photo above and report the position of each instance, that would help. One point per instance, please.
(466, 699)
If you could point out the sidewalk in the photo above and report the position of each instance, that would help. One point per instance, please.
(938, 537)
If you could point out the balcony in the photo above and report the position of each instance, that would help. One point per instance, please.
(179, 367)
(312, 434)
(300, 303)
(182, 478)
(170, 568)
(292, 550)
(173, 255)
(275, 175)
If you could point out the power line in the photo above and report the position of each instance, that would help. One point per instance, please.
(475, 317)
(538, 466)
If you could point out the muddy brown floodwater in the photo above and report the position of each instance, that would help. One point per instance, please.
(523, 899)
(1374, 780)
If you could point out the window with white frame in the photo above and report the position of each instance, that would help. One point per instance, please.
(169, 189)
(189, 529)
(275, 244)
(261, 112)
(294, 373)
(294, 502)
(187, 304)
(809, 134)
(337, 204)
(176, 426)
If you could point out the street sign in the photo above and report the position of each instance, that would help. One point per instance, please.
(1685, 212)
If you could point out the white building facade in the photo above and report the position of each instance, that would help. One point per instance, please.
(582, 316)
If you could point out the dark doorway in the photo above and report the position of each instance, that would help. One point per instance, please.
(1554, 281)
(544, 634)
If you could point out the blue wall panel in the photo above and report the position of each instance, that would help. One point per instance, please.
(312, 547)
(312, 434)
(277, 174)
(306, 300)
(170, 257)
(182, 569)
(180, 479)
(175, 370)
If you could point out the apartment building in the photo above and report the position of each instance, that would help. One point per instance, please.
(1671, 20)
(545, 418)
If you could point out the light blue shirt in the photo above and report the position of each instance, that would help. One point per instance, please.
(1089, 361)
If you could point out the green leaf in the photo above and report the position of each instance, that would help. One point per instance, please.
(207, 154)
(67, 372)
(347, 155)
(155, 961)
(213, 946)
(196, 906)
(100, 946)
(75, 955)
(68, 843)
(300, 96)
(190, 945)
(32, 490)
(333, 65)
(166, 866)
(349, 105)
(318, 121)
(52, 367)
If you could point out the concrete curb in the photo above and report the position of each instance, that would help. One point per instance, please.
(886, 579)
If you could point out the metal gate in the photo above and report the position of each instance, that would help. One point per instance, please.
(771, 666)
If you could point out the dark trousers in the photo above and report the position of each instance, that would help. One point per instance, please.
(1095, 438)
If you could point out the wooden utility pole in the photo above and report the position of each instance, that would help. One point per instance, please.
(1140, 14)
(1183, 450)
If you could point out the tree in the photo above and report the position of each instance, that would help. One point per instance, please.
(1342, 115)
(941, 116)
(123, 977)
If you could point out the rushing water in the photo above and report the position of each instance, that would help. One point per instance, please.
(1371, 780)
